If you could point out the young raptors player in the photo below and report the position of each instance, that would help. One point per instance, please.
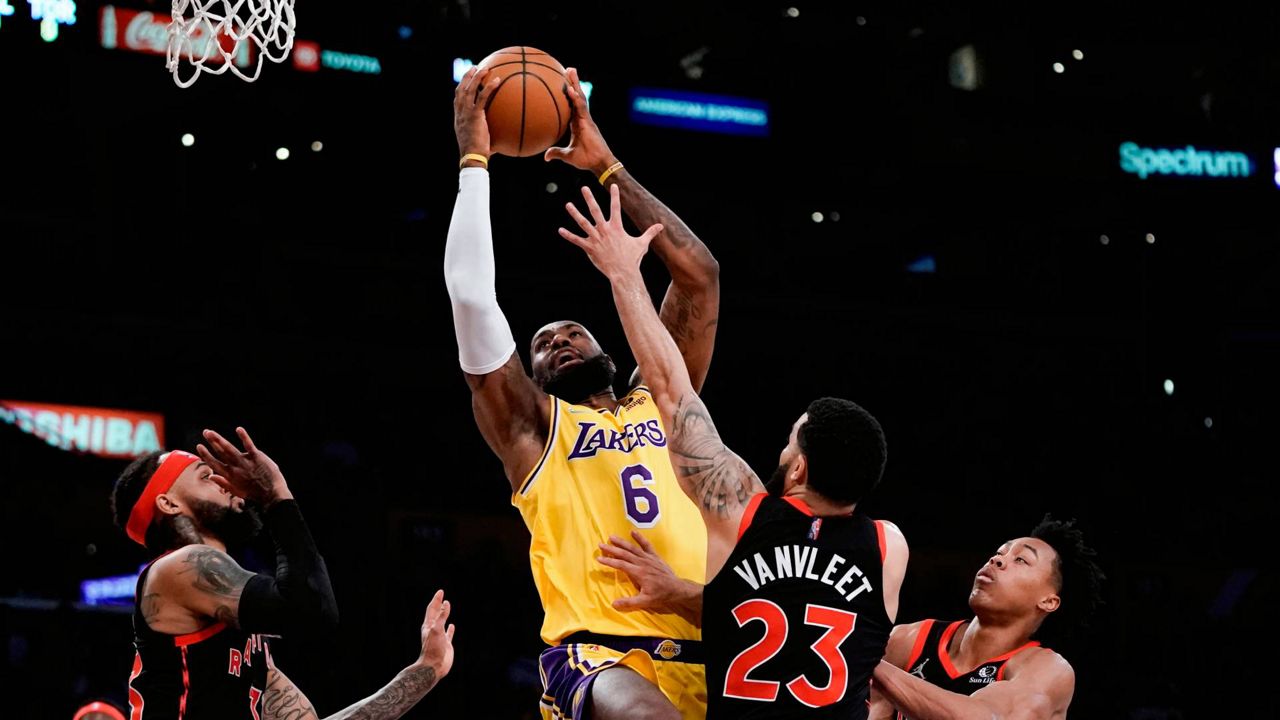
(802, 588)
(989, 667)
(582, 463)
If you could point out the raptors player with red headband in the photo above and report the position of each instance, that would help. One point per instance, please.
(201, 620)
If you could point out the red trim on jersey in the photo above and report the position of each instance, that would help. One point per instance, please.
(750, 513)
(884, 549)
(1005, 658)
(799, 504)
(942, 650)
(951, 669)
(186, 685)
(136, 701)
(918, 649)
(192, 638)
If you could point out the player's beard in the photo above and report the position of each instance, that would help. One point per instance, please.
(228, 525)
(777, 481)
(583, 380)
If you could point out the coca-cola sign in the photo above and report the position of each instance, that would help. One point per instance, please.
(148, 32)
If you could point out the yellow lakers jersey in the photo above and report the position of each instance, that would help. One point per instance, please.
(605, 474)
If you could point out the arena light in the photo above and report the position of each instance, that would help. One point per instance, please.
(965, 69)
(51, 14)
(1077, 54)
(109, 590)
(282, 153)
(5, 11)
(1185, 162)
(1168, 387)
(188, 140)
(317, 146)
(1059, 68)
(460, 68)
(1276, 157)
(699, 111)
(924, 265)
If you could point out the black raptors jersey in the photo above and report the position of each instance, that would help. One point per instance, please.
(795, 622)
(929, 660)
(218, 673)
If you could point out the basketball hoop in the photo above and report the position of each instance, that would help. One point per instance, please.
(215, 36)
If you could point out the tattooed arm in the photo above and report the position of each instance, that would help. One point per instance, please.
(191, 587)
(717, 480)
(284, 701)
(691, 309)
(299, 595)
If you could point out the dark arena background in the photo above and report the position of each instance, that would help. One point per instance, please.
(985, 223)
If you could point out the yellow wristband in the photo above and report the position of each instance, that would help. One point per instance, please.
(612, 169)
(473, 156)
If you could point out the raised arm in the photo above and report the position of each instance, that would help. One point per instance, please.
(511, 411)
(691, 308)
(718, 481)
(1040, 689)
(200, 582)
(284, 701)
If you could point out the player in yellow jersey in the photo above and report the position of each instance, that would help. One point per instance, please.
(584, 464)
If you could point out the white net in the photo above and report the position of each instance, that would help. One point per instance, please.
(215, 36)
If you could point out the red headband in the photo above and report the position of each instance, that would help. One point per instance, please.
(145, 509)
(99, 707)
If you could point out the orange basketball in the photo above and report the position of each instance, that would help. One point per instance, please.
(529, 111)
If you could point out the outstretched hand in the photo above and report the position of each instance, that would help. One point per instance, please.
(658, 584)
(250, 474)
(611, 248)
(437, 637)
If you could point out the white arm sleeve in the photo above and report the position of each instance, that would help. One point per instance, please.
(484, 337)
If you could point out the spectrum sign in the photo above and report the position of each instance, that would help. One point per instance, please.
(1184, 162)
(101, 431)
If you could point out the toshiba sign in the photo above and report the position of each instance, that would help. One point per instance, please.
(101, 431)
(148, 32)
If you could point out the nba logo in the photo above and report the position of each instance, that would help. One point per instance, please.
(815, 528)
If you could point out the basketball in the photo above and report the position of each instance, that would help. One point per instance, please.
(529, 111)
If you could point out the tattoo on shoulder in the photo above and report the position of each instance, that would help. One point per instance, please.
(720, 478)
(215, 572)
(150, 607)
